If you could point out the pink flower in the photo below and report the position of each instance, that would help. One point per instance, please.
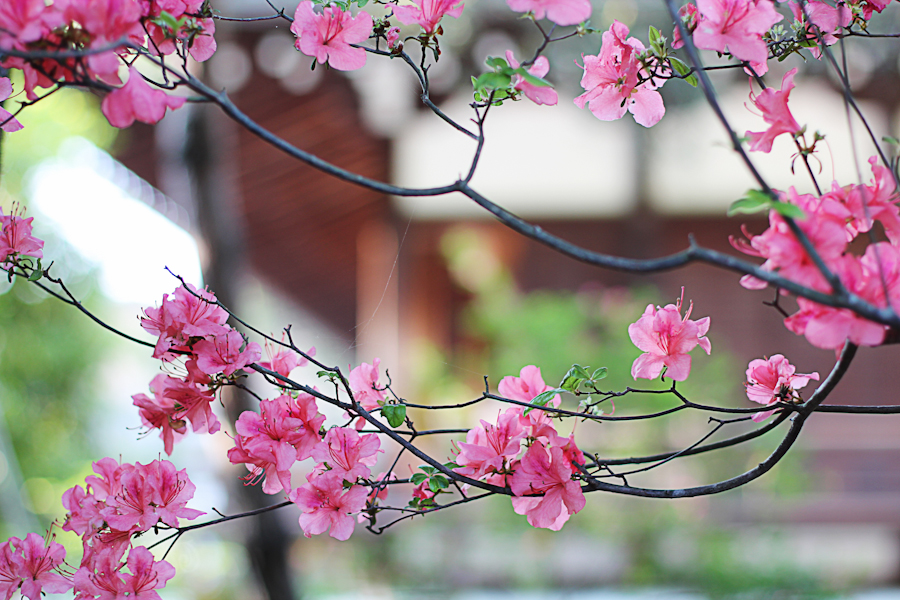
(427, 13)
(824, 224)
(737, 26)
(16, 238)
(525, 387)
(613, 84)
(821, 19)
(8, 123)
(325, 504)
(327, 35)
(38, 566)
(689, 16)
(774, 106)
(561, 12)
(136, 100)
(147, 575)
(666, 339)
(773, 380)
(536, 93)
(223, 354)
(284, 360)
(367, 391)
(549, 473)
(347, 453)
(393, 37)
(285, 431)
(491, 448)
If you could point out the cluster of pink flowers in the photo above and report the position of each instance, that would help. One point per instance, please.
(542, 479)
(68, 24)
(831, 222)
(331, 493)
(615, 81)
(120, 502)
(191, 328)
(666, 339)
(15, 237)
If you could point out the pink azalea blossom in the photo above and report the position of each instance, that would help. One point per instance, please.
(427, 13)
(613, 84)
(737, 26)
(526, 386)
(824, 224)
(367, 391)
(870, 203)
(689, 16)
(285, 431)
(550, 474)
(16, 238)
(8, 123)
(536, 93)
(821, 20)
(147, 575)
(393, 38)
(491, 448)
(185, 314)
(347, 453)
(773, 380)
(561, 12)
(325, 505)
(284, 360)
(774, 106)
(38, 567)
(10, 571)
(223, 354)
(137, 100)
(666, 338)
(24, 21)
(327, 35)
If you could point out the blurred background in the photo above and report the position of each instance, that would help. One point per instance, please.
(443, 295)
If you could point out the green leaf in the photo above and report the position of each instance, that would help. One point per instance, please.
(600, 373)
(755, 201)
(438, 483)
(791, 211)
(164, 18)
(492, 81)
(891, 140)
(655, 37)
(361, 3)
(36, 274)
(427, 468)
(394, 413)
(682, 69)
(543, 398)
(496, 62)
(418, 478)
(532, 79)
(574, 377)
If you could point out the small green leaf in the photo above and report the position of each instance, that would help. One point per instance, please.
(418, 478)
(543, 398)
(754, 201)
(891, 140)
(574, 377)
(682, 69)
(394, 413)
(438, 483)
(164, 18)
(492, 81)
(361, 3)
(654, 35)
(532, 79)
(791, 211)
(36, 274)
(600, 373)
(428, 469)
(451, 465)
(496, 62)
